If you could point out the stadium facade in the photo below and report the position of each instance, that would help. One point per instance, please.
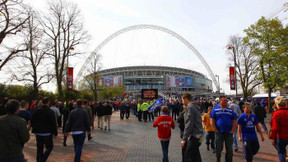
(163, 78)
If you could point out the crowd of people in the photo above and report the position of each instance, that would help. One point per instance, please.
(17, 119)
(222, 119)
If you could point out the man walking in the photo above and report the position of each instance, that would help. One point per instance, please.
(78, 123)
(44, 126)
(139, 110)
(107, 115)
(14, 134)
(224, 122)
(193, 131)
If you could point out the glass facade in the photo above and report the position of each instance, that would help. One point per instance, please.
(134, 83)
(156, 77)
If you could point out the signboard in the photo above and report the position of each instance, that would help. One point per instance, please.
(149, 93)
(232, 78)
(70, 78)
(179, 81)
(115, 81)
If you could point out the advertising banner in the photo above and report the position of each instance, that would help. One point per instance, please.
(70, 78)
(232, 78)
(179, 81)
(110, 81)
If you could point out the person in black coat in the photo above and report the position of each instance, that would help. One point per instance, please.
(44, 126)
(127, 110)
(121, 107)
(107, 114)
(180, 121)
(260, 113)
(100, 115)
(66, 113)
(3, 106)
(78, 123)
(93, 106)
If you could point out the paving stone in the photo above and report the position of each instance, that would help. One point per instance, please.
(133, 141)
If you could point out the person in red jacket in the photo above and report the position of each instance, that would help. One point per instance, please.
(280, 128)
(164, 124)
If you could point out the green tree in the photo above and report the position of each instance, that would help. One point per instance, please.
(16, 92)
(108, 92)
(269, 41)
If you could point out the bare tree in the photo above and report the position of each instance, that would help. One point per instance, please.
(64, 29)
(34, 58)
(246, 64)
(13, 19)
(93, 77)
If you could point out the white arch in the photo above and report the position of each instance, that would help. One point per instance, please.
(155, 27)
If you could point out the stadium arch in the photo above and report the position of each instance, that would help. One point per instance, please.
(155, 27)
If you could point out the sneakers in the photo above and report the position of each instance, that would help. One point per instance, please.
(208, 147)
(236, 149)
(89, 138)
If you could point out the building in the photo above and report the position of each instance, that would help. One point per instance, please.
(163, 78)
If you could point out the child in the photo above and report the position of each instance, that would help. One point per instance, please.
(164, 124)
(246, 130)
(209, 129)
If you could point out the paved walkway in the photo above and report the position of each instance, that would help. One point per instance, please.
(133, 141)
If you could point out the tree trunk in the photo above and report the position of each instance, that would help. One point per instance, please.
(269, 100)
(36, 90)
(60, 91)
(95, 95)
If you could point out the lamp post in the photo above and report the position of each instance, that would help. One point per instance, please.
(218, 82)
(229, 47)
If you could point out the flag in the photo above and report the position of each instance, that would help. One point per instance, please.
(156, 105)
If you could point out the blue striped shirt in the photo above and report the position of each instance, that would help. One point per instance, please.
(223, 118)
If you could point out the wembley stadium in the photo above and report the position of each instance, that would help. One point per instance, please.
(163, 78)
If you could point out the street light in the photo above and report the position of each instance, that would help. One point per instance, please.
(229, 47)
(218, 82)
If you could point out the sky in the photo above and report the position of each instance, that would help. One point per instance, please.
(206, 24)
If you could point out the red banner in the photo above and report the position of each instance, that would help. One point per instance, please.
(232, 78)
(70, 78)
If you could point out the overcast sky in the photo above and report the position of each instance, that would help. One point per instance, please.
(207, 25)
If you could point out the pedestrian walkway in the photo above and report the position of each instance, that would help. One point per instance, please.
(133, 141)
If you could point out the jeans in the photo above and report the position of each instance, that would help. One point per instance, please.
(151, 116)
(183, 151)
(210, 136)
(78, 145)
(222, 137)
(264, 126)
(165, 145)
(122, 113)
(250, 148)
(192, 152)
(281, 147)
(41, 141)
(107, 119)
(127, 114)
(19, 159)
(100, 121)
(235, 138)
